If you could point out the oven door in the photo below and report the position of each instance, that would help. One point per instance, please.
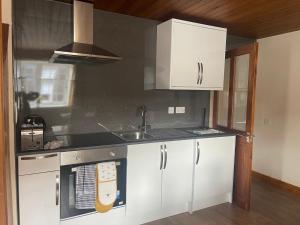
(68, 189)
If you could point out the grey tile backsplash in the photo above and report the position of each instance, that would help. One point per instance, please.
(74, 99)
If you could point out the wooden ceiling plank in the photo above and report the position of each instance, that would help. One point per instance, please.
(250, 18)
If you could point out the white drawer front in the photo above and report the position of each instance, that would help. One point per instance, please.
(39, 163)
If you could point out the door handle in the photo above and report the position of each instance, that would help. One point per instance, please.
(199, 69)
(161, 157)
(38, 157)
(166, 156)
(202, 72)
(57, 190)
(198, 153)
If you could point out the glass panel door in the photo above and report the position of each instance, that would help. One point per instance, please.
(234, 106)
(223, 96)
(239, 116)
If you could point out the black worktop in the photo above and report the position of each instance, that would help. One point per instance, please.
(73, 142)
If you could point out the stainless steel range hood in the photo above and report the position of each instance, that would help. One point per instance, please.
(83, 50)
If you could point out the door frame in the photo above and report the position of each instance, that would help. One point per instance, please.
(244, 140)
(252, 50)
(3, 146)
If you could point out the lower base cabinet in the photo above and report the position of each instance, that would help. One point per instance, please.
(39, 199)
(143, 199)
(177, 178)
(159, 180)
(163, 179)
(213, 171)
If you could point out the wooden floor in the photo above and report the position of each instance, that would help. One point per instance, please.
(270, 206)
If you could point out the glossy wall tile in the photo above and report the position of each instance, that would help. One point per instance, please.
(76, 98)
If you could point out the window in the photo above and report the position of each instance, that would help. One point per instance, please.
(51, 84)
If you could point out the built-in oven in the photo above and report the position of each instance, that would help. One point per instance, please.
(72, 160)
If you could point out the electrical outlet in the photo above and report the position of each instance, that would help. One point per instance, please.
(180, 110)
(171, 110)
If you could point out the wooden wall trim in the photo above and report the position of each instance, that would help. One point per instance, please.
(215, 109)
(277, 183)
(231, 92)
(252, 89)
(5, 31)
(3, 196)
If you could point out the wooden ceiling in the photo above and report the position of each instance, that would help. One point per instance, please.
(248, 18)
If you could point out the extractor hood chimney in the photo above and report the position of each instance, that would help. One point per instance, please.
(83, 50)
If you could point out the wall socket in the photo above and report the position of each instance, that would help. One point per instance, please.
(171, 110)
(180, 110)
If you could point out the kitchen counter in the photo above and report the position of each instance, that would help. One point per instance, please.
(106, 139)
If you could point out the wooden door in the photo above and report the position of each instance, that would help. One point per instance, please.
(3, 200)
(234, 109)
(177, 177)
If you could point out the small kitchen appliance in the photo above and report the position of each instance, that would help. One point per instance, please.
(32, 133)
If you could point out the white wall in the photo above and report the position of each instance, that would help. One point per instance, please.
(277, 122)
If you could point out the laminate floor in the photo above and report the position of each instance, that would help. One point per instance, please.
(270, 206)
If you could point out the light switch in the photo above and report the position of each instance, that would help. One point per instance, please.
(180, 110)
(171, 110)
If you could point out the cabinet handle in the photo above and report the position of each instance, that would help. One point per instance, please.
(166, 156)
(198, 77)
(198, 153)
(57, 190)
(38, 157)
(161, 157)
(202, 73)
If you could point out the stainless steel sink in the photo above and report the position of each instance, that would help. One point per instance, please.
(134, 136)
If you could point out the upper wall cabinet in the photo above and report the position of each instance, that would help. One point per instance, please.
(190, 56)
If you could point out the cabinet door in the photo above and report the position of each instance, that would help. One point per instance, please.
(39, 199)
(197, 52)
(212, 57)
(177, 177)
(186, 47)
(144, 182)
(213, 175)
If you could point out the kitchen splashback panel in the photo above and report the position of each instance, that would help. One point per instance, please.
(75, 98)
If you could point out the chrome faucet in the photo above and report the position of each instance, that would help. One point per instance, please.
(142, 111)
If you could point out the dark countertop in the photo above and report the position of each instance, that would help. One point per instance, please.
(101, 140)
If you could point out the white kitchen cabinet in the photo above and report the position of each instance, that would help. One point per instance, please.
(143, 182)
(39, 189)
(159, 180)
(39, 199)
(213, 171)
(190, 56)
(177, 177)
